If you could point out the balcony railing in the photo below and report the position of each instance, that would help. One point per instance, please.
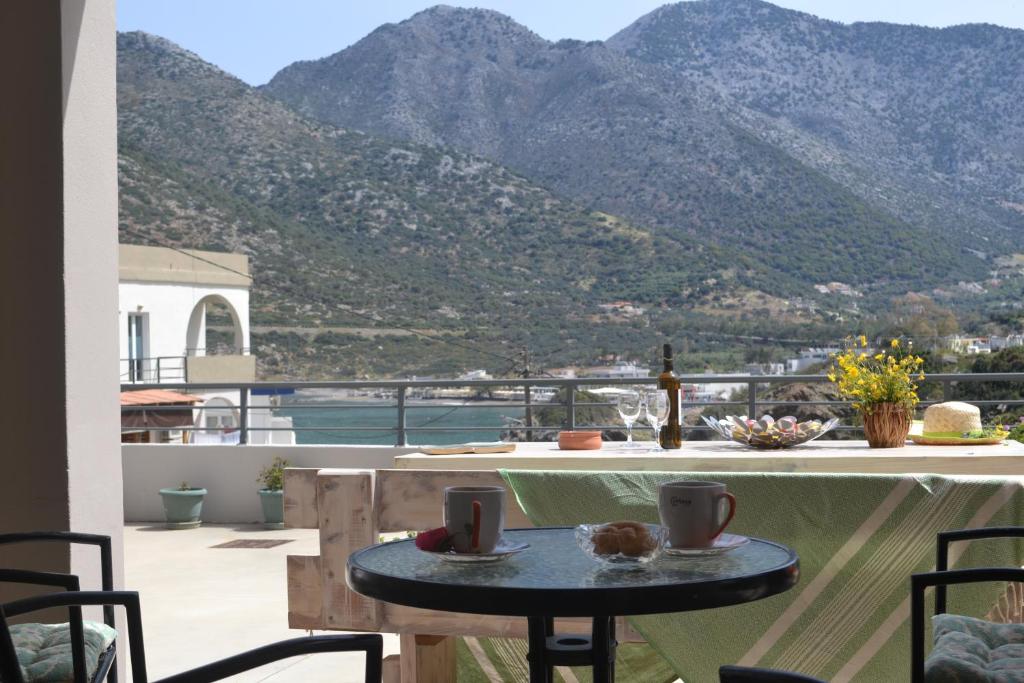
(565, 400)
(159, 369)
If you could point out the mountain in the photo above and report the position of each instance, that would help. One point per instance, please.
(827, 150)
(934, 113)
(347, 229)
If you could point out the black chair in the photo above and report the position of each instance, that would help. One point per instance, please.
(943, 577)
(105, 668)
(744, 674)
(370, 643)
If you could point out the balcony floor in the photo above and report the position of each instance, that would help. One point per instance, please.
(201, 603)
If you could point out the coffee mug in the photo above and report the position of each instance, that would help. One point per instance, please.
(474, 517)
(694, 512)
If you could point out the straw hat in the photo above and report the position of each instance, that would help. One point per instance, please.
(947, 424)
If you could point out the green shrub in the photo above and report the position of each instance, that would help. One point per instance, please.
(272, 476)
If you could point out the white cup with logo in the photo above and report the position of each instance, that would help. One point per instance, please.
(474, 517)
(695, 512)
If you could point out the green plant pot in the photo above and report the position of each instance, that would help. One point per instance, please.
(183, 509)
(273, 508)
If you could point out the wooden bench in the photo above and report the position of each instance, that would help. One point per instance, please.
(351, 508)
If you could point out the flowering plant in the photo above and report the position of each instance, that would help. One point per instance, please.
(873, 378)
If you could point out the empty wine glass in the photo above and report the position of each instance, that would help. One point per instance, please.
(629, 404)
(656, 407)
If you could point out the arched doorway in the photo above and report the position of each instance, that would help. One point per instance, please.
(196, 339)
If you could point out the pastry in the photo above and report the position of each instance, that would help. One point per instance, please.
(631, 539)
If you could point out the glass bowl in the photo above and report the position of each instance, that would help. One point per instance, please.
(769, 432)
(638, 553)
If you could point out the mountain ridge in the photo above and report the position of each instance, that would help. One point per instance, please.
(624, 135)
(342, 227)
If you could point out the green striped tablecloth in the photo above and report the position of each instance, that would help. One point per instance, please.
(859, 538)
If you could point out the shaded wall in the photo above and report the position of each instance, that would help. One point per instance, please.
(58, 260)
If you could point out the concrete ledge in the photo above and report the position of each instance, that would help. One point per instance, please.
(220, 368)
(228, 473)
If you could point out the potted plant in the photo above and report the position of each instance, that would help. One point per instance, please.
(183, 506)
(882, 386)
(272, 493)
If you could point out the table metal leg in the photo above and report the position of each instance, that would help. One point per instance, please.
(540, 670)
(548, 650)
(604, 645)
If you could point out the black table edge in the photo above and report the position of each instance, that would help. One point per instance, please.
(579, 602)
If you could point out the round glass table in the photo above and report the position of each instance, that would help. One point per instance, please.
(554, 578)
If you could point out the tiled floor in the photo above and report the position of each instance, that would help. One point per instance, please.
(201, 603)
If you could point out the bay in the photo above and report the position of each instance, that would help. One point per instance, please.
(372, 423)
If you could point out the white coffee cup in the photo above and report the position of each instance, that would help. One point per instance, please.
(474, 517)
(695, 512)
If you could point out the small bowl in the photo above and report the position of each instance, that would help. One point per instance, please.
(579, 441)
(585, 540)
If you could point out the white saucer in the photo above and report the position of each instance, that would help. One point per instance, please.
(503, 550)
(723, 544)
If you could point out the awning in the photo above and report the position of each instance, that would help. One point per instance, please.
(168, 416)
(156, 397)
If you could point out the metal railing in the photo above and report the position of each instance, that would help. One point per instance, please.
(160, 369)
(565, 401)
(153, 370)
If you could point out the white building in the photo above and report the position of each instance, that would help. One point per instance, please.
(809, 357)
(163, 296)
(621, 369)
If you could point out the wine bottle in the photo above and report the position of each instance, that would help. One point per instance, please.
(671, 433)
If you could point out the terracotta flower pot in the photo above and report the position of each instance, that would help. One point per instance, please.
(579, 441)
(887, 425)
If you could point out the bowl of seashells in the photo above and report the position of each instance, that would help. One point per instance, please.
(769, 432)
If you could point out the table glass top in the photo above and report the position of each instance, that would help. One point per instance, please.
(554, 561)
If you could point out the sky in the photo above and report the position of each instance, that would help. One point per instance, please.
(253, 39)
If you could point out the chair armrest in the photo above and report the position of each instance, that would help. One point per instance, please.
(129, 600)
(68, 582)
(100, 541)
(370, 643)
(918, 584)
(744, 674)
(943, 540)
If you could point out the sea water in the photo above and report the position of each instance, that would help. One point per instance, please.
(334, 424)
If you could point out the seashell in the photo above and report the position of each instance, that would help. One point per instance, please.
(787, 424)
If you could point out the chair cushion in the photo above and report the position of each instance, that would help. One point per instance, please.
(969, 650)
(44, 650)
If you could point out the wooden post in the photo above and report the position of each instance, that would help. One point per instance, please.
(427, 659)
(348, 522)
(300, 511)
(392, 669)
(305, 594)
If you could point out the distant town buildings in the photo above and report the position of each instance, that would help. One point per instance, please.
(809, 357)
(840, 288)
(978, 345)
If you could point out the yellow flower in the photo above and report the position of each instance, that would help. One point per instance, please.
(879, 356)
(863, 340)
(862, 356)
(895, 343)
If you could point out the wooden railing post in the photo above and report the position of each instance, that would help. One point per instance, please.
(348, 522)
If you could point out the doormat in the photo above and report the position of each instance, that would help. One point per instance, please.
(253, 543)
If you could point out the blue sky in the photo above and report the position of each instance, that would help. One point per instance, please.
(253, 39)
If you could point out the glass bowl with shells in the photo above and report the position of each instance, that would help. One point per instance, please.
(769, 432)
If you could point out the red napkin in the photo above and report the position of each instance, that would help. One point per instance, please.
(434, 540)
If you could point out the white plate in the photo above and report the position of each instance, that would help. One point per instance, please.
(723, 544)
(503, 550)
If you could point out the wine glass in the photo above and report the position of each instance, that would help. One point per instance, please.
(629, 404)
(656, 408)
